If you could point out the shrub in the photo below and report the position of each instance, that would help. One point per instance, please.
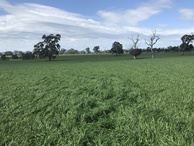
(14, 56)
(3, 57)
(135, 52)
(28, 55)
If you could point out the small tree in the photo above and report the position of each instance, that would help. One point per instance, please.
(9, 53)
(49, 47)
(14, 56)
(3, 57)
(186, 40)
(28, 55)
(19, 53)
(152, 41)
(82, 52)
(117, 48)
(62, 51)
(135, 52)
(134, 49)
(72, 51)
(88, 50)
(96, 49)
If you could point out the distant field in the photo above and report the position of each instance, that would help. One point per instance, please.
(101, 100)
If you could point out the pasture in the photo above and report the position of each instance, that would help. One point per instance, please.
(98, 100)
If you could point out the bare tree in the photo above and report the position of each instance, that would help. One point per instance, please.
(152, 41)
(134, 41)
(134, 44)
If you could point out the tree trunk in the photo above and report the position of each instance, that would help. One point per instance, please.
(183, 52)
(152, 55)
(50, 56)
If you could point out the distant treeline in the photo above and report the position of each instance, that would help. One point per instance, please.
(30, 55)
(17, 55)
(168, 49)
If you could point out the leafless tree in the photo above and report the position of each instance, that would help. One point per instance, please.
(134, 43)
(152, 41)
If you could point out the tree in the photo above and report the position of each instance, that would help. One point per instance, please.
(186, 40)
(134, 49)
(14, 56)
(28, 55)
(19, 53)
(3, 57)
(106, 51)
(82, 52)
(15, 52)
(117, 48)
(96, 49)
(39, 50)
(62, 51)
(49, 47)
(173, 48)
(72, 51)
(152, 41)
(88, 50)
(135, 52)
(9, 53)
(190, 48)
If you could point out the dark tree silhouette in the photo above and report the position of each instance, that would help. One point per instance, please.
(96, 49)
(28, 55)
(49, 47)
(3, 57)
(186, 40)
(117, 48)
(88, 50)
(62, 51)
(135, 52)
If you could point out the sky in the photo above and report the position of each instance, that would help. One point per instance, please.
(89, 23)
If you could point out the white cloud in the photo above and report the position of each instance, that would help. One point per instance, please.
(127, 17)
(187, 14)
(24, 24)
(135, 16)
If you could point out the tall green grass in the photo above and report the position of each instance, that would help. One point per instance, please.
(98, 100)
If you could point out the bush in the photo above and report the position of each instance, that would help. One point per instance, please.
(3, 57)
(135, 52)
(28, 55)
(14, 57)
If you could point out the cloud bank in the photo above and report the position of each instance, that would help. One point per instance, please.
(23, 25)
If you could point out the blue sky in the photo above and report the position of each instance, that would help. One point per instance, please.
(87, 23)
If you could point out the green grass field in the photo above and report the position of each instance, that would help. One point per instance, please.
(98, 100)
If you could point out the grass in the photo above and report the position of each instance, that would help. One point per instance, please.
(98, 100)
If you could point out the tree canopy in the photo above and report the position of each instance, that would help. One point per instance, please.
(96, 49)
(117, 48)
(48, 47)
(135, 52)
(88, 50)
(186, 40)
(3, 57)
